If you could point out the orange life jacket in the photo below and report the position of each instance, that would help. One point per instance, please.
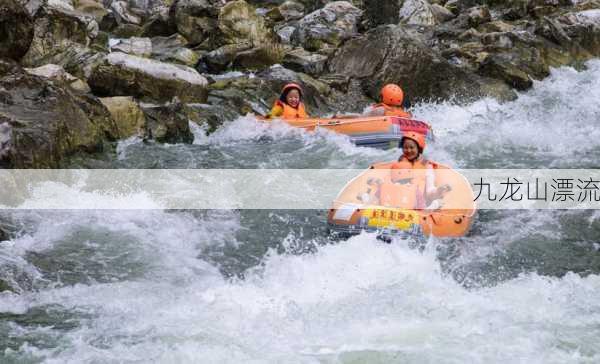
(292, 112)
(403, 196)
(393, 110)
(408, 195)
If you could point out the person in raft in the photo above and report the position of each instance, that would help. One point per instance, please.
(289, 105)
(392, 104)
(412, 180)
(392, 101)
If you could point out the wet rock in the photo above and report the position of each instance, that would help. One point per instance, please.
(173, 49)
(58, 74)
(59, 34)
(42, 122)
(196, 20)
(331, 25)
(135, 46)
(209, 117)
(584, 28)
(16, 30)
(126, 113)
(300, 60)
(392, 54)
(125, 75)
(500, 67)
(167, 123)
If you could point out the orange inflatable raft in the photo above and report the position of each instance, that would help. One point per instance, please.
(376, 131)
(363, 205)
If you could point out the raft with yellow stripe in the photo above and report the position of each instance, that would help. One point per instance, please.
(374, 131)
(352, 213)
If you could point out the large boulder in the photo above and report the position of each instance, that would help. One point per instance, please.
(42, 122)
(16, 30)
(300, 60)
(167, 123)
(392, 54)
(584, 28)
(246, 42)
(135, 46)
(196, 20)
(58, 31)
(327, 27)
(126, 113)
(239, 23)
(124, 75)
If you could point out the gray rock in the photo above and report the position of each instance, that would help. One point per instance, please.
(135, 46)
(173, 49)
(43, 122)
(391, 54)
(57, 73)
(127, 114)
(196, 20)
(167, 123)
(57, 32)
(300, 60)
(125, 75)
(239, 23)
(291, 10)
(417, 12)
(331, 25)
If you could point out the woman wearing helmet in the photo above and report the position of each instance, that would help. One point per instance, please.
(392, 98)
(289, 105)
(411, 164)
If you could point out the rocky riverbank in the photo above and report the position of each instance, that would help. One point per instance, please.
(77, 73)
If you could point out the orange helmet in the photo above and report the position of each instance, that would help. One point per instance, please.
(291, 86)
(392, 94)
(416, 137)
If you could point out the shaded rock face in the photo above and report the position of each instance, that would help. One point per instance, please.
(124, 75)
(167, 123)
(328, 26)
(16, 30)
(382, 12)
(391, 54)
(40, 122)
